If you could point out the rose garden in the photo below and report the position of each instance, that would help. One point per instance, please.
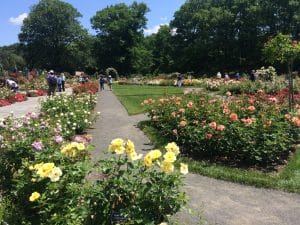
(71, 159)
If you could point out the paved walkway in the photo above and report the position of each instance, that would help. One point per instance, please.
(21, 108)
(216, 201)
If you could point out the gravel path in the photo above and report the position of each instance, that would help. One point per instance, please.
(216, 201)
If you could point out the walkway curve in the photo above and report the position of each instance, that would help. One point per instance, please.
(219, 202)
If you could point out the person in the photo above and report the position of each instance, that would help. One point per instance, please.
(252, 75)
(219, 75)
(237, 76)
(179, 80)
(109, 82)
(52, 82)
(101, 81)
(12, 85)
(59, 83)
(226, 77)
(63, 79)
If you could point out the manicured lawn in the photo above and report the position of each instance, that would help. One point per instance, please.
(131, 96)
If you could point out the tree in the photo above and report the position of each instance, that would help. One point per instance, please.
(162, 47)
(282, 49)
(227, 35)
(11, 56)
(50, 34)
(119, 29)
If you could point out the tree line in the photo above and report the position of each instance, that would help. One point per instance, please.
(204, 36)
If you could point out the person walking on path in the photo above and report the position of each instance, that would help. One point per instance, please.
(52, 82)
(59, 83)
(102, 81)
(63, 79)
(109, 82)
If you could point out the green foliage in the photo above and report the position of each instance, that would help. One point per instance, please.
(119, 30)
(11, 57)
(281, 49)
(52, 36)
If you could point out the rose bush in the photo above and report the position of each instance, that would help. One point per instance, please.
(248, 130)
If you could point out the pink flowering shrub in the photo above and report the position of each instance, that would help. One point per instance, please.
(248, 130)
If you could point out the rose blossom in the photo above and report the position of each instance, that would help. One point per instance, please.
(190, 104)
(58, 139)
(37, 145)
(182, 123)
(220, 127)
(208, 136)
(251, 108)
(213, 125)
(233, 117)
(174, 131)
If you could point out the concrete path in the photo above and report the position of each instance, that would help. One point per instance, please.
(216, 201)
(32, 104)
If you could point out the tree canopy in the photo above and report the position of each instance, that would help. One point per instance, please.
(119, 30)
(51, 33)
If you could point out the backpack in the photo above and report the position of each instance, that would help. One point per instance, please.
(52, 80)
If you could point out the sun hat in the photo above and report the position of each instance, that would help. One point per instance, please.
(51, 71)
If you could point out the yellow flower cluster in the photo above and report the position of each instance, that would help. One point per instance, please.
(168, 159)
(119, 146)
(72, 149)
(48, 170)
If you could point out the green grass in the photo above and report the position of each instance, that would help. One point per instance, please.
(131, 96)
(288, 179)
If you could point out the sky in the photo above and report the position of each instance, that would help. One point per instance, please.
(14, 11)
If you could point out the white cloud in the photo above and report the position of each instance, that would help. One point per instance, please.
(164, 18)
(18, 20)
(153, 30)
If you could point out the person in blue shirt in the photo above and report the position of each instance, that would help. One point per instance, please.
(59, 83)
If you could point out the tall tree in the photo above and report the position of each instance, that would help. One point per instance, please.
(50, 33)
(11, 57)
(119, 29)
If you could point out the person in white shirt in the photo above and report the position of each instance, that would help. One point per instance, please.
(12, 85)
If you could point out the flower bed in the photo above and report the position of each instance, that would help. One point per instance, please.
(45, 165)
(246, 130)
(35, 93)
(91, 87)
(8, 97)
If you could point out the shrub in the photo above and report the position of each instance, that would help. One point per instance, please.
(250, 130)
(112, 72)
(266, 74)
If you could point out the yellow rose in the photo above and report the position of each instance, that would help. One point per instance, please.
(148, 161)
(172, 147)
(155, 154)
(55, 174)
(129, 147)
(134, 156)
(184, 168)
(117, 146)
(45, 169)
(31, 168)
(170, 157)
(34, 196)
(80, 146)
(33, 180)
(167, 167)
(38, 166)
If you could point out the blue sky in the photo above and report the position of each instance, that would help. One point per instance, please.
(13, 11)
